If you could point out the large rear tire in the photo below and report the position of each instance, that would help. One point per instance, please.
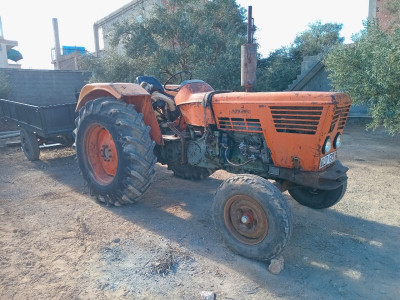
(29, 144)
(114, 151)
(318, 199)
(252, 216)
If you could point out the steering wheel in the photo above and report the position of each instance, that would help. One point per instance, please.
(181, 74)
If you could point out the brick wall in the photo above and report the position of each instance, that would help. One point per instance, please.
(379, 9)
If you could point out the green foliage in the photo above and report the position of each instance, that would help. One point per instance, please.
(202, 37)
(5, 87)
(369, 72)
(110, 67)
(277, 71)
(283, 65)
(316, 39)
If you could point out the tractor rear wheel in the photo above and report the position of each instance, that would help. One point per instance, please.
(29, 144)
(114, 151)
(186, 171)
(252, 216)
(318, 199)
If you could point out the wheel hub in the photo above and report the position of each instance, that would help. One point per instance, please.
(101, 153)
(245, 219)
(106, 153)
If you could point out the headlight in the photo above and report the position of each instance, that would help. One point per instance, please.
(327, 145)
(337, 142)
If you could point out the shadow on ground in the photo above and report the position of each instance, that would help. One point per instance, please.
(330, 255)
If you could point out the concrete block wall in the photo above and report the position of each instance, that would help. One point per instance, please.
(320, 82)
(314, 77)
(44, 87)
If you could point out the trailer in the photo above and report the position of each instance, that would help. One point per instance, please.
(40, 125)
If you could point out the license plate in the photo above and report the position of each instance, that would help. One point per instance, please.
(327, 159)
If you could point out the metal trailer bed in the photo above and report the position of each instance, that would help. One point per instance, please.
(40, 124)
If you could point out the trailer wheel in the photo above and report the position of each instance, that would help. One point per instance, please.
(318, 199)
(114, 151)
(252, 216)
(186, 171)
(30, 144)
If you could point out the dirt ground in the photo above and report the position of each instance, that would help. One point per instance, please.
(56, 243)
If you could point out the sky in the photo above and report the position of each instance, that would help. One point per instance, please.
(278, 22)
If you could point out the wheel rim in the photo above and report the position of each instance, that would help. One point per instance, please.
(101, 154)
(246, 219)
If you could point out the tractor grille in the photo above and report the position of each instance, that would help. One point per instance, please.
(340, 116)
(240, 124)
(296, 119)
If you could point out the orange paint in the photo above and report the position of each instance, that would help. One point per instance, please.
(128, 92)
(294, 124)
(101, 153)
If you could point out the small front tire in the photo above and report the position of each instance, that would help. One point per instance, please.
(252, 216)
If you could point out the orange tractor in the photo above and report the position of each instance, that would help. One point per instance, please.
(291, 138)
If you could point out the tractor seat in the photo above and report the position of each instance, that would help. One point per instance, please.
(157, 86)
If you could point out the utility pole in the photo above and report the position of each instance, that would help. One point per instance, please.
(249, 56)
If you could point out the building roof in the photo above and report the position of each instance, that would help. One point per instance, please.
(116, 14)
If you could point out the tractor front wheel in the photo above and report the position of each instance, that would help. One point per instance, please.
(114, 151)
(252, 216)
(318, 199)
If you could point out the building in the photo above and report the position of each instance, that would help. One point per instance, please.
(313, 76)
(384, 12)
(69, 57)
(7, 52)
(136, 10)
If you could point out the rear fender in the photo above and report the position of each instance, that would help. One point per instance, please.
(130, 93)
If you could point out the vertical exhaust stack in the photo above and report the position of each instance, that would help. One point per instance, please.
(249, 56)
(57, 43)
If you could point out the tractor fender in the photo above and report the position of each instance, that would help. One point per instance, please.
(130, 93)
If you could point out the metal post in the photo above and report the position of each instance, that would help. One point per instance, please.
(249, 56)
(57, 43)
(250, 25)
(1, 30)
(96, 39)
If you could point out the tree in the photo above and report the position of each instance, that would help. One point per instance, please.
(110, 67)
(277, 71)
(283, 65)
(318, 38)
(369, 72)
(203, 37)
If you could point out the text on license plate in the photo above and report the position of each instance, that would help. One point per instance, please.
(327, 159)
